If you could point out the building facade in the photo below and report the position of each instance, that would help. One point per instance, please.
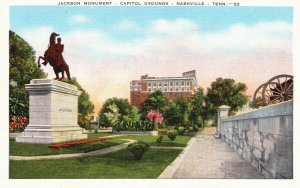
(171, 87)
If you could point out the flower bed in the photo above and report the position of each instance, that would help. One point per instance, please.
(76, 143)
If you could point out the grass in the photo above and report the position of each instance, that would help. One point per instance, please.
(21, 149)
(119, 164)
(95, 135)
(180, 141)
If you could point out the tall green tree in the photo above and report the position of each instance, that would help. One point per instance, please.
(227, 92)
(22, 69)
(156, 101)
(172, 115)
(127, 113)
(199, 108)
(85, 106)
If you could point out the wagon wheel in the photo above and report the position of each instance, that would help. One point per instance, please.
(278, 89)
(258, 96)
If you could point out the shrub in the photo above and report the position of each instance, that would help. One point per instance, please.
(159, 139)
(180, 130)
(138, 149)
(172, 134)
(196, 128)
(17, 124)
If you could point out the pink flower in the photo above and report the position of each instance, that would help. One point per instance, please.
(154, 116)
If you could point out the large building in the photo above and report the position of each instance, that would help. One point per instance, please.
(171, 87)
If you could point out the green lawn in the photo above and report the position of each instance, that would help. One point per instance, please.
(95, 135)
(180, 141)
(22, 149)
(119, 164)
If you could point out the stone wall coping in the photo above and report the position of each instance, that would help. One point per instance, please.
(283, 108)
(47, 85)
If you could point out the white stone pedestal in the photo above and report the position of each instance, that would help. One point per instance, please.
(53, 107)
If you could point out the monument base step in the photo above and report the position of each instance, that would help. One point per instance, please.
(49, 137)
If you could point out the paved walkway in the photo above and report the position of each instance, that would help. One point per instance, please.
(209, 157)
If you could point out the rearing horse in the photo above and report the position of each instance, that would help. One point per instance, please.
(55, 59)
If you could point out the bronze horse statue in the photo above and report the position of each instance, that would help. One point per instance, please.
(53, 55)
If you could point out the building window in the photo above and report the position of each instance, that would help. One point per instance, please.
(149, 84)
(149, 89)
(176, 89)
(165, 89)
(171, 89)
(182, 83)
(154, 84)
(188, 83)
(177, 83)
(188, 89)
(182, 89)
(171, 83)
(166, 84)
(159, 83)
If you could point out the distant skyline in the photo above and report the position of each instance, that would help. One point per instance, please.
(107, 47)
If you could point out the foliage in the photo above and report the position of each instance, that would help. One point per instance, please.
(180, 130)
(226, 92)
(138, 149)
(155, 117)
(172, 134)
(121, 109)
(85, 106)
(178, 112)
(199, 108)
(155, 101)
(133, 126)
(76, 143)
(17, 124)
(22, 69)
(18, 102)
(159, 139)
(172, 114)
(22, 66)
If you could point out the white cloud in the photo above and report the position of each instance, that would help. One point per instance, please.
(78, 18)
(178, 26)
(127, 25)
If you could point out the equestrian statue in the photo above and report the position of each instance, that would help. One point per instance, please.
(53, 56)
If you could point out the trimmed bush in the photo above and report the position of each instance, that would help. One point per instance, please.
(172, 134)
(159, 139)
(180, 130)
(138, 149)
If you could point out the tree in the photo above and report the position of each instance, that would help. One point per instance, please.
(227, 92)
(22, 69)
(85, 106)
(185, 108)
(156, 101)
(127, 113)
(172, 114)
(199, 110)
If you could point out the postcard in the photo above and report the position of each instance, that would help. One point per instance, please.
(172, 93)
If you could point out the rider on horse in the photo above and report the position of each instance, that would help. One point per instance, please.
(54, 56)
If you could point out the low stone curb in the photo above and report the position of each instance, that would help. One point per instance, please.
(166, 147)
(169, 172)
(75, 155)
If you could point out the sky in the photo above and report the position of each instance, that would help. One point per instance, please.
(107, 47)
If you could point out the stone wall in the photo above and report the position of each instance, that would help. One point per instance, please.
(264, 138)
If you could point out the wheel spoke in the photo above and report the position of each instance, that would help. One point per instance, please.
(280, 84)
(289, 86)
(285, 83)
